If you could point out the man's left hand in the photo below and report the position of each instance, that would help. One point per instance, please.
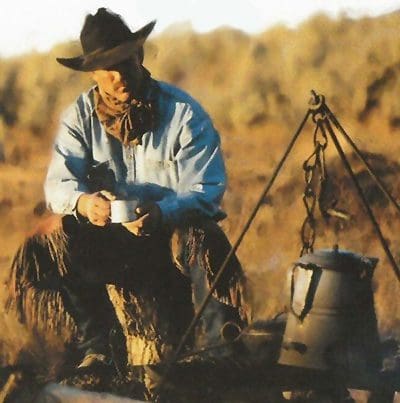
(149, 220)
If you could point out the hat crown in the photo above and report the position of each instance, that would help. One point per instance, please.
(104, 30)
(106, 41)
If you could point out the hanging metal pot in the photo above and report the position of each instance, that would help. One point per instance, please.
(332, 322)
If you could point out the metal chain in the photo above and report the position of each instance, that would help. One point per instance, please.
(176, 354)
(315, 176)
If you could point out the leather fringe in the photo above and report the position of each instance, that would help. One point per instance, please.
(33, 284)
(211, 247)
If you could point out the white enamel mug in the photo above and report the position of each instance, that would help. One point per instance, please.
(123, 210)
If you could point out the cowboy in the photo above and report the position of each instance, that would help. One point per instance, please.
(133, 137)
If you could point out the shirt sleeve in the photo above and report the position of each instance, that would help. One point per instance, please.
(66, 176)
(201, 172)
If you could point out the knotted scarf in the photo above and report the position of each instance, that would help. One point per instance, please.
(128, 121)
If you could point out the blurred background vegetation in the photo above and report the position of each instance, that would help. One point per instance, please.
(256, 89)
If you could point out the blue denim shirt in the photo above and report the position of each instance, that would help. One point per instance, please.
(179, 164)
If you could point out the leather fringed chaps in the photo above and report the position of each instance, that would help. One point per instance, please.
(34, 283)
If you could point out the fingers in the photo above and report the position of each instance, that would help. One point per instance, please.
(99, 219)
(131, 227)
(96, 207)
(108, 195)
(99, 208)
(144, 225)
(100, 202)
(155, 219)
(99, 215)
(141, 210)
(141, 220)
(138, 227)
(146, 207)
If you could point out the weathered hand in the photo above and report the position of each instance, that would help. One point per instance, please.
(149, 220)
(96, 207)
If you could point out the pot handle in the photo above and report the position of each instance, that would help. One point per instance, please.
(313, 281)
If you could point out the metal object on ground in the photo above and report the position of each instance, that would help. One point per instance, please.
(332, 322)
(264, 334)
(262, 341)
(230, 331)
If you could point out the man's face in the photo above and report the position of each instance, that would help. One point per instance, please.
(120, 81)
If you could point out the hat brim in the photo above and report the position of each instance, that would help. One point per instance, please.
(102, 59)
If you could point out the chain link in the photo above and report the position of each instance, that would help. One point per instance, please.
(315, 176)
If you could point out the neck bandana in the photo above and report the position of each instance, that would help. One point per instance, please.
(128, 121)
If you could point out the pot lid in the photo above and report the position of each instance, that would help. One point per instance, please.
(338, 260)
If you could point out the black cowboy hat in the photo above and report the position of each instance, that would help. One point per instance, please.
(106, 40)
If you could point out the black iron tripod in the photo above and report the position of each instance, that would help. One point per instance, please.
(327, 123)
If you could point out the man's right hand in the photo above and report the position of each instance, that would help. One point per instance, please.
(96, 207)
